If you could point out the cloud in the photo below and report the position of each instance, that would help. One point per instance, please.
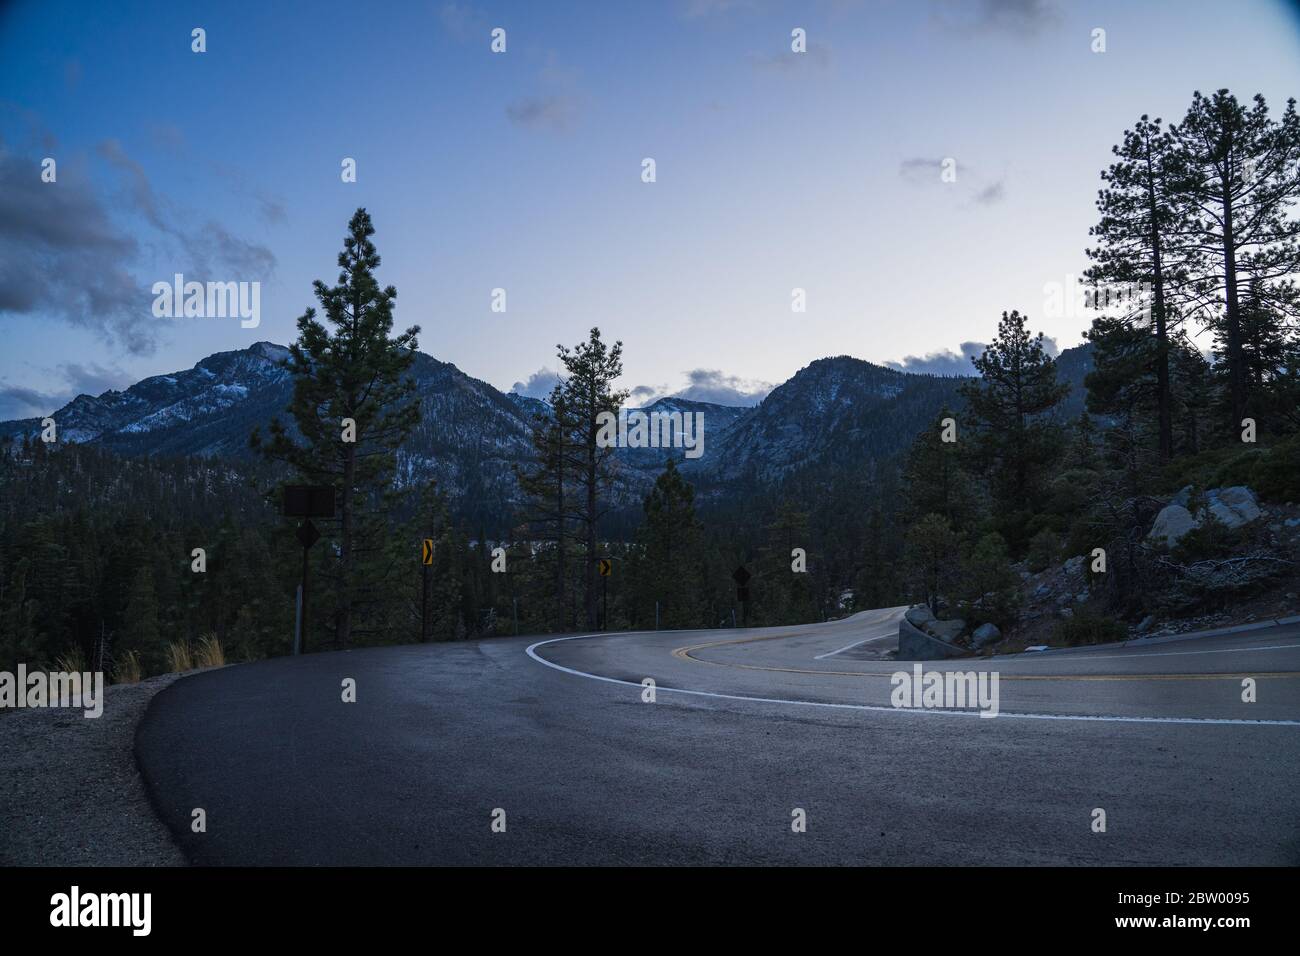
(711, 385)
(210, 248)
(63, 255)
(555, 111)
(537, 385)
(943, 362)
(91, 378)
(462, 21)
(19, 402)
(949, 364)
(643, 395)
(1022, 18)
(991, 194)
(60, 253)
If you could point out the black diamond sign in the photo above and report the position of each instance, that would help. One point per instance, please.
(307, 534)
(740, 576)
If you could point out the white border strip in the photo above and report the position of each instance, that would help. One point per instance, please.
(532, 652)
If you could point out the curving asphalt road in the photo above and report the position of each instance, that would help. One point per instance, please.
(746, 726)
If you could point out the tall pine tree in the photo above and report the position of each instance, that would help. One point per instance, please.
(353, 404)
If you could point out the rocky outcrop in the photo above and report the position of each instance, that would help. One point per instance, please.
(1232, 507)
(1173, 522)
(915, 644)
(985, 635)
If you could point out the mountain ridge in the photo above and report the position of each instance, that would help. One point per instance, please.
(835, 412)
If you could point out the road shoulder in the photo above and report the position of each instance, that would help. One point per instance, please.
(72, 794)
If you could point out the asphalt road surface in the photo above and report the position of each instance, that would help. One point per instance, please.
(746, 727)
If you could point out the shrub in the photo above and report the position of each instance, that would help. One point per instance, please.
(126, 669)
(179, 659)
(1089, 627)
(1043, 551)
(71, 661)
(209, 652)
(990, 587)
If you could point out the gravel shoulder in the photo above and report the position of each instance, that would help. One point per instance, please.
(70, 791)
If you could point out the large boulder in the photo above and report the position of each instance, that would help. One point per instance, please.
(1173, 522)
(984, 635)
(919, 616)
(1233, 506)
(915, 644)
(946, 630)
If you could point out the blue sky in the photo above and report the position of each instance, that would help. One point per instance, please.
(522, 171)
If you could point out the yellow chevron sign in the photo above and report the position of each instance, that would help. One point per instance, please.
(427, 554)
(606, 567)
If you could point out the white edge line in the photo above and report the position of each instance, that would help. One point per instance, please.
(936, 712)
(865, 640)
(1143, 656)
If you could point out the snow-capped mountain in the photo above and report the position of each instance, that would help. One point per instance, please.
(837, 412)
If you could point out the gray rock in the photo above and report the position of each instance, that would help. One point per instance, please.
(919, 616)
(1075, 564)
(1066, 613)
(1235, 506)
(1292, 522)
(1184, 496)
(1171, 524)
(1146, 624)
(916, 645)
(946, 630)
(1081, 597)
(984, 635)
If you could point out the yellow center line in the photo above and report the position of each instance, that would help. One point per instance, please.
(684, 653)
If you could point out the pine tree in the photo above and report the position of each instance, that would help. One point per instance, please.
(588, 391)
(355, 372)
(140, 632)
(550, 495)
(1242, 177)
(1014, 440)
(931, 552)
(934, 480)
(1138, 236)
(673, 544)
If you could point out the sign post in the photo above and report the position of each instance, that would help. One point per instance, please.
(606, 568)
(426, 558)
(741, 577)
(307, 502)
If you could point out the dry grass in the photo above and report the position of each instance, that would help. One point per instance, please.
(179, 658)
(209, 652)
(71, 662)
(126, 670)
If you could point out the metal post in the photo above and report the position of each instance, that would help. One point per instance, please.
(302, 613)
(514, 601)
(656, 615)
(297, 623)
(424, 605)
(604, 600)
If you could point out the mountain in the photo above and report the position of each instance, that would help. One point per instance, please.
(837, 412)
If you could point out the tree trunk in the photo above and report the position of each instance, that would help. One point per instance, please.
(1232, 320)
(343, 627)
(1164, 418)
